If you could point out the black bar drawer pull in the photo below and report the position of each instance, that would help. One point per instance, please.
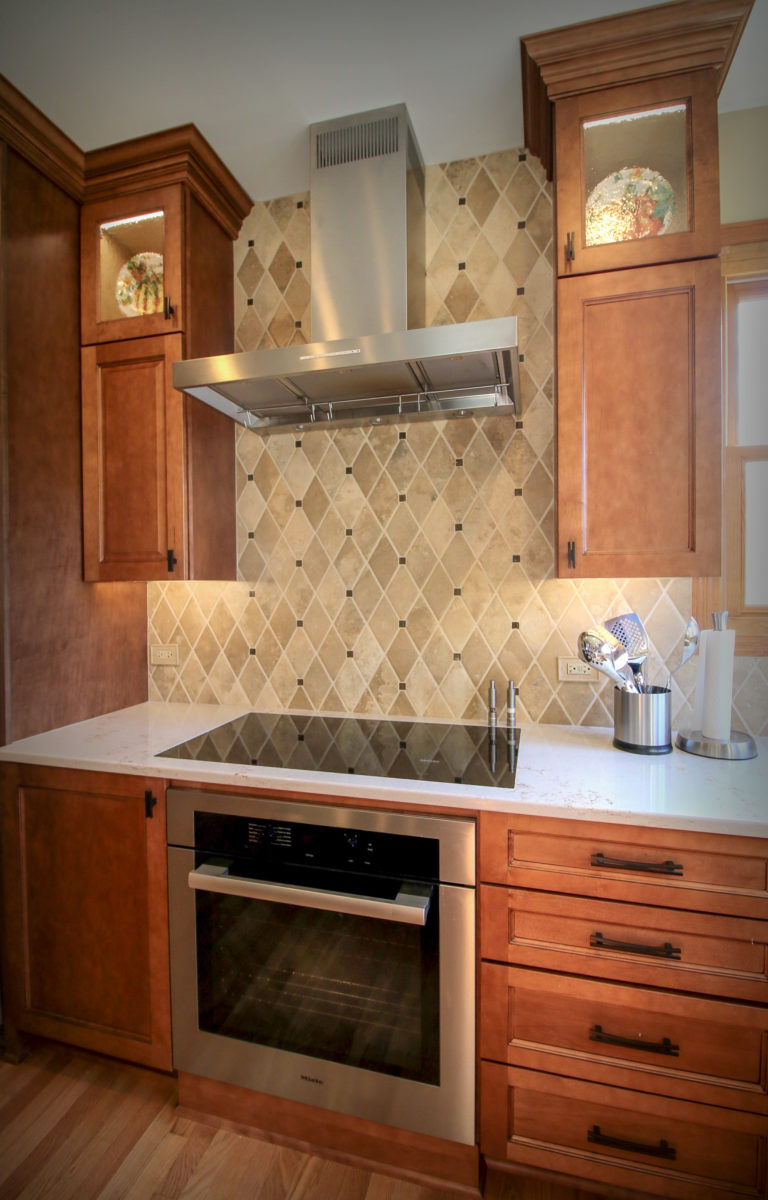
(662, 1150)
(665, 1046)
(626, 864)
(597, 941)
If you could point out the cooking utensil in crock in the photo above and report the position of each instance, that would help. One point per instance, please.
(630, 631)
(605, 653)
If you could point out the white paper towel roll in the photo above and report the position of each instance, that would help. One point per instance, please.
(716, 664)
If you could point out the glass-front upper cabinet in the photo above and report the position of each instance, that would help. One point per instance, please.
(636, 171)
(131, 266)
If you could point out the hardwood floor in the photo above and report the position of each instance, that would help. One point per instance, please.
(75, 1126)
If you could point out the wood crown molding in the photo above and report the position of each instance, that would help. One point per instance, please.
(741, 233)
(632, 47)
(179, 155)
(27, 131)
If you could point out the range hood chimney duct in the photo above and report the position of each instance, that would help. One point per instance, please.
(371, 360)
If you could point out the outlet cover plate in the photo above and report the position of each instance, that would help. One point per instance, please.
(575, 670)
(164, 656)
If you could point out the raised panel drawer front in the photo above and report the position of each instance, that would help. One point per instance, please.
(678, 1045)
(651, 1144)
(694, 952)
(707, 872)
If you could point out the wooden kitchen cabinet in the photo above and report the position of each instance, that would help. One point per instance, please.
(638, 422)
(637, 174)
(156, 287)
(623, 112)
(85, 936)
(624, 1006)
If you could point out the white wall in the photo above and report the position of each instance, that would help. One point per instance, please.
(744, 165)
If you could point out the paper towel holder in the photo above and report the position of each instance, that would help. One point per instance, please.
(739, 745)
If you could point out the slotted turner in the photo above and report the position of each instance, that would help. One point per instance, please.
(630, 631)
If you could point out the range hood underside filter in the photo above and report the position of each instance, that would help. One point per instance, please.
(442, 371)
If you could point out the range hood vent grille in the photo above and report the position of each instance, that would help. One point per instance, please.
(354, 143)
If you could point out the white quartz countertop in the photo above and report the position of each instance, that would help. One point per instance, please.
(563, 771)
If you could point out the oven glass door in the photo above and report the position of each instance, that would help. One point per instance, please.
(342, 986)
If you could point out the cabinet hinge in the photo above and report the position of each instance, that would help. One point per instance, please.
(572, 554)
(172, 560)
(149, 803)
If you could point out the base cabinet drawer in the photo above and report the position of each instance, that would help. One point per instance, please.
(661, 947)
(690, 1047)
(609, 1135)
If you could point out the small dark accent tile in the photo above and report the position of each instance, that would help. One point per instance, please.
(457, 658)
(457, 591)
(299, 203)
(402, 435)
(401, 498)
(348, 532)
(347, 470)
(297, 324)
(462, 199)
(299, 562)
(518, 424)
(403, 745)
(300, 683)
(462, 266)
(457, 779)
(251, 534)
(401, 561)
(251, 242)
(350, 654)
(401, 624)
(299, 624)
(252, 595)
(350, 770)
(521, 358)
(518, 491)
(250, 478)
(521, 224)
(459, 462)
(401, 687)
(458, 528)
(522, 157)
(297, 445)
(252, 650)
(515, 624)
(299, 737)
(254, 762)
(249, 301)
(299, 264)
(521, 291)
(515, 558)
(349, 591)
(299, 504)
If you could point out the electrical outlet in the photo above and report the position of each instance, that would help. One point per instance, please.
(164, 656)
(575, 670)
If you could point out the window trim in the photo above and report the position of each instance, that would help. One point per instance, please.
(744, 254)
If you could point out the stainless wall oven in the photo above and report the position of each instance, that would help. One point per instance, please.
(326, 955)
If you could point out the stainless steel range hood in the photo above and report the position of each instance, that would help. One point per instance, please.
(368, 273)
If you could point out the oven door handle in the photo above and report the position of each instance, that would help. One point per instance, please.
(410, 906)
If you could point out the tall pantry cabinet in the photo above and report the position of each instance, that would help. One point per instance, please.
(157, 226)
(624, 112)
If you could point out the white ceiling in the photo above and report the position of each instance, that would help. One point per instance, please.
(254, 74)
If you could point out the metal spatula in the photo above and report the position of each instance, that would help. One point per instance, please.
(630, 631)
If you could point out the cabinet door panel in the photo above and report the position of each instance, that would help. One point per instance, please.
(86, 915)
(617, 155)
(132, 456)
(638, 422)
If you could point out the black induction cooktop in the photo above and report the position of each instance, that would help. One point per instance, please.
(394, 749)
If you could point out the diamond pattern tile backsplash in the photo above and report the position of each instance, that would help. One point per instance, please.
(399, 569)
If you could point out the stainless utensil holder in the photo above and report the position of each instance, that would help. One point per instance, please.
(642, 721)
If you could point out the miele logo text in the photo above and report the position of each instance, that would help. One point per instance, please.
(310, 1079)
